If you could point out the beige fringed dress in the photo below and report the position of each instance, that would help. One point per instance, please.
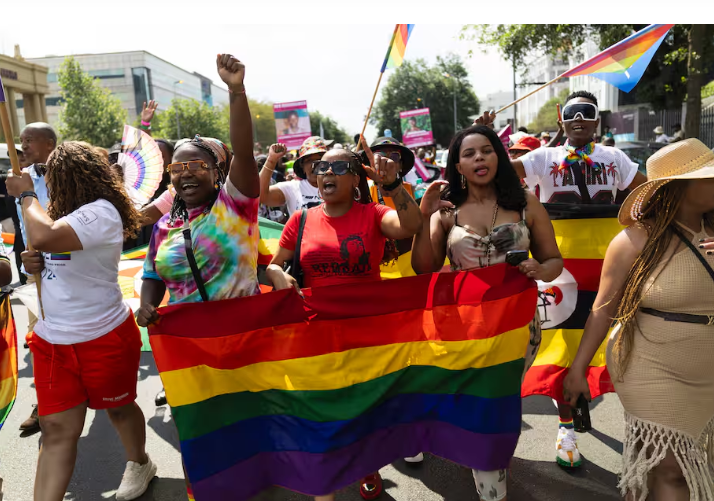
(667, 389)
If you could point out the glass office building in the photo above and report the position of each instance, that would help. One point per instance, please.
(134, 77)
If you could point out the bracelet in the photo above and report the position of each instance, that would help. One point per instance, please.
(147, 124)
(231, 91)
(26, 194)
(393, 186)
(145, 127)
(268, 168)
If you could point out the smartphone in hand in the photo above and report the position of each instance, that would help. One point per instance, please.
(516, 257)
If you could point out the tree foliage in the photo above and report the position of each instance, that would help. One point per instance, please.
(416, 84)
(331, 129)
(669, 78)
(547, 116)
(194, 117)
(89, 112)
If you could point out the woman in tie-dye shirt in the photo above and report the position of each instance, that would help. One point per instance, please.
(220, 211)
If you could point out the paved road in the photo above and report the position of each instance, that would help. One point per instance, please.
(100, 464)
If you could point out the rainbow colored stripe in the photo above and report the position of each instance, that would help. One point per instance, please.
(623, 64)
(314, 394)
(398, 46)
(8, 359)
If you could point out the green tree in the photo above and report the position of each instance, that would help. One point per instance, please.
(415, 84)
(677, 72)
(547, 116)
(89, 112)
(194, 117)
(331, 128)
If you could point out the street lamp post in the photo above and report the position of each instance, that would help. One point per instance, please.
(255, 129)
(178, 125)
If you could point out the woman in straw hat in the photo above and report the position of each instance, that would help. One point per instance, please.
(658, 283)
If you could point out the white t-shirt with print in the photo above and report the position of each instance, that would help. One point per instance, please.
(299, 194)
(80, 289)
(613, 170)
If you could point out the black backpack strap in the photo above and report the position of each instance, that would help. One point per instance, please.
(188, 245)
(694, 249)
(296, 269)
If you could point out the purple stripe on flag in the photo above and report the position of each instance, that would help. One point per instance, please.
(321, 474)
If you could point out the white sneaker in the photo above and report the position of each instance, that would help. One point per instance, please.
(136, 480)
(416, 459)
(566, 449)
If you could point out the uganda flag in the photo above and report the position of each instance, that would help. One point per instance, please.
(8, 358)
(583, 233)
(313, 394)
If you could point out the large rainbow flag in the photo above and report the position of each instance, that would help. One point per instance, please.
(8, 358)
(314, 394)
(623, 64)
(583, 233)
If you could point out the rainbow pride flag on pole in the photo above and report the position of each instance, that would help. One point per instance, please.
(623, 64)
(398, 46)
(314, 394)
(8, 359)
(583, 234)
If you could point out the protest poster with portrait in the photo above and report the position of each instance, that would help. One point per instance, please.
(416, 128)
(292, 123)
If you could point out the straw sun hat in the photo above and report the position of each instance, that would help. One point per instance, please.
(687, 159)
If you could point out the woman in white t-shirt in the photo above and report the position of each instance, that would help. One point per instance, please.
(87, 346)
(298, 194)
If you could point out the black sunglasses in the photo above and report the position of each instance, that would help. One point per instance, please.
(339, 168)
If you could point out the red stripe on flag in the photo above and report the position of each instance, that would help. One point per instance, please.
(344, 302)
(302, 340)
(548, 380)
(586, 272)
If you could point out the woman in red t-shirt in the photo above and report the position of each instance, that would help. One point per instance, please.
(343, 239)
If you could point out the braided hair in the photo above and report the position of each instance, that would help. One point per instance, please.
(179, 211)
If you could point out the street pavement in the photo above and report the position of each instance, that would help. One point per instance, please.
(100, 462)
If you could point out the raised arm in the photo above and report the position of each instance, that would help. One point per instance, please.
(619, 259)
(429, 246)
(487, 119)
(243, 169)
(272, 196)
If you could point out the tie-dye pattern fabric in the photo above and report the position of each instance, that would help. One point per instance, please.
(225, 244)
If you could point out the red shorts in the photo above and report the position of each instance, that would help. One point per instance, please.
(102, 372)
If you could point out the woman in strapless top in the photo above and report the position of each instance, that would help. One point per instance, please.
(482, 214)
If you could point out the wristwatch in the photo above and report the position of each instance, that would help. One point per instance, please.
(394, 185)
(26, 194)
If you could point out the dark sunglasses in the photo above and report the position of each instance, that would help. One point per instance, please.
(193, 166)
(587, 111)
(339, 168)
(394, 156)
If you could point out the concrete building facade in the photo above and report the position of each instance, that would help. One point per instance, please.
(134, 77)
(24, 82)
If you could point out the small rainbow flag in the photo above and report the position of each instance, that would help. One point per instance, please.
(8, 359)
(397, 47)
(61, 256)
(314, 394)
(623, 64)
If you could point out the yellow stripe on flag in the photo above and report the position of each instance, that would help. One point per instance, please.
(559, 346)
(345, 369)
(585, 238)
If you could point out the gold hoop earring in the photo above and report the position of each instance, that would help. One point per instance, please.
(463, 181)
(358, 194)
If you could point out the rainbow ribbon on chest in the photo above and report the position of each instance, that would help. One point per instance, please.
(578, 154)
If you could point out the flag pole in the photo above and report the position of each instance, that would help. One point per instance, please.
(531, 93)
(15, 162)
(369, 111)
(376, 89)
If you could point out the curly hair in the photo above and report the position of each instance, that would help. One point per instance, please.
(77, 175)
(510, 193)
